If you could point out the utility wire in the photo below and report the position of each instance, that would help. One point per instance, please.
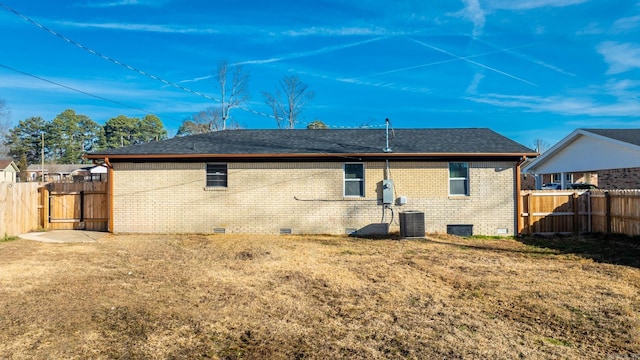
(126, 66)
(76, 90)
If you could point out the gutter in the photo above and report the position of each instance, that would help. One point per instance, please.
(303, 155)
(519, 204)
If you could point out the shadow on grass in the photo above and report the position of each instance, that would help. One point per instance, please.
(612, 249)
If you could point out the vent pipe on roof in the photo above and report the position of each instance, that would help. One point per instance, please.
(387, 149)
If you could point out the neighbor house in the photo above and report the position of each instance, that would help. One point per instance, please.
(9, 171)
(316, 181)
(65, 172)
(608, 158)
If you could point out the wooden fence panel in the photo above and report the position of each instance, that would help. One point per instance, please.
(598, 211)
(625, 212)
(610, 211)
(78, 206)
(96, 211)
(64, 211)
(550, 212)
(19, 208)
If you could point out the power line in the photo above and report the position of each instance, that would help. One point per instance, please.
(76, 90)
(126, 66)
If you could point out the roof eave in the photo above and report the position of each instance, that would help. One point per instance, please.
(302, 155)
(568, 140)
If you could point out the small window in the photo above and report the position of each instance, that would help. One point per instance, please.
(354, 180)
(216, 175)
(557, 177)
(459, 178)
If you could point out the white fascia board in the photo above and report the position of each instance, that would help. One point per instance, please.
(532, 168)
(585, 152)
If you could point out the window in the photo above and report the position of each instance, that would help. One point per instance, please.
(557, 178)
(458, 178)
(354, 180)
(216, 175)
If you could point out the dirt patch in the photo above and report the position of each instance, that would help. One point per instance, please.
(277, 297)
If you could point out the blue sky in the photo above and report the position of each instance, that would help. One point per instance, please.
(528, 69)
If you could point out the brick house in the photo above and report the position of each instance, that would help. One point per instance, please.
(315, 181)
(608, 158)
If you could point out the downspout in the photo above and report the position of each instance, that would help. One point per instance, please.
(519, 225)
(110, 196)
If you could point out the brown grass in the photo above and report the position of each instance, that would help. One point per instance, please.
(267, 297)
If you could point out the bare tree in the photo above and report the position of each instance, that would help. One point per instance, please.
(205, 121)
(288, 101)
(234, 94)
(540, 145)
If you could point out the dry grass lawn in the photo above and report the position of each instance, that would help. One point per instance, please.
(316, 297)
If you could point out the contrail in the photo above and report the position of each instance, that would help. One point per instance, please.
(472, 62)
(527, 58)
(443, 61)
(310, 53)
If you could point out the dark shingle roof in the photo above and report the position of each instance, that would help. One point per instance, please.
(328, 142)
(631, 136)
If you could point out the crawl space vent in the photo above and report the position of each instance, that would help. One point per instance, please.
(460, 230)
(285, 231)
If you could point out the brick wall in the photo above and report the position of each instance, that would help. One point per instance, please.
(619, 179)
(305, 197)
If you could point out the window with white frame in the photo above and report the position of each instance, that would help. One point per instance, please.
(459, 178)
(557, 178)
(354, 179)
(216, 175)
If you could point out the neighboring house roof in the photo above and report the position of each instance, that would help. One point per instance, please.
(326, 142)
(4, 164)
(586, 150)
(59, 168)
(629, 136)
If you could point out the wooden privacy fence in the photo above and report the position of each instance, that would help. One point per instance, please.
(19, 208)
(82, 205)
(603, 211)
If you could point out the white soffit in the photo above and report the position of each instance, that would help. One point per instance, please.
(588, 152)
(98, 170)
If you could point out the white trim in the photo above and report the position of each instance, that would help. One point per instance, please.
(532, 167)
(344, 180)
(468, 185)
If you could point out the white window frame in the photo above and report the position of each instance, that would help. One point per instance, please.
(557, 178)
(225, 174)
(345, 180)
(465, 179)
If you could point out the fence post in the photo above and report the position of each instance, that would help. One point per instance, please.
(81, 206)
(529, 214)
(46, 209)
(607, 197)
(576, 215)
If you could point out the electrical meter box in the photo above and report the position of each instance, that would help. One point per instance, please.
(387, 191)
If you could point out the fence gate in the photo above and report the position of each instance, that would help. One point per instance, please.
(76, 206)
